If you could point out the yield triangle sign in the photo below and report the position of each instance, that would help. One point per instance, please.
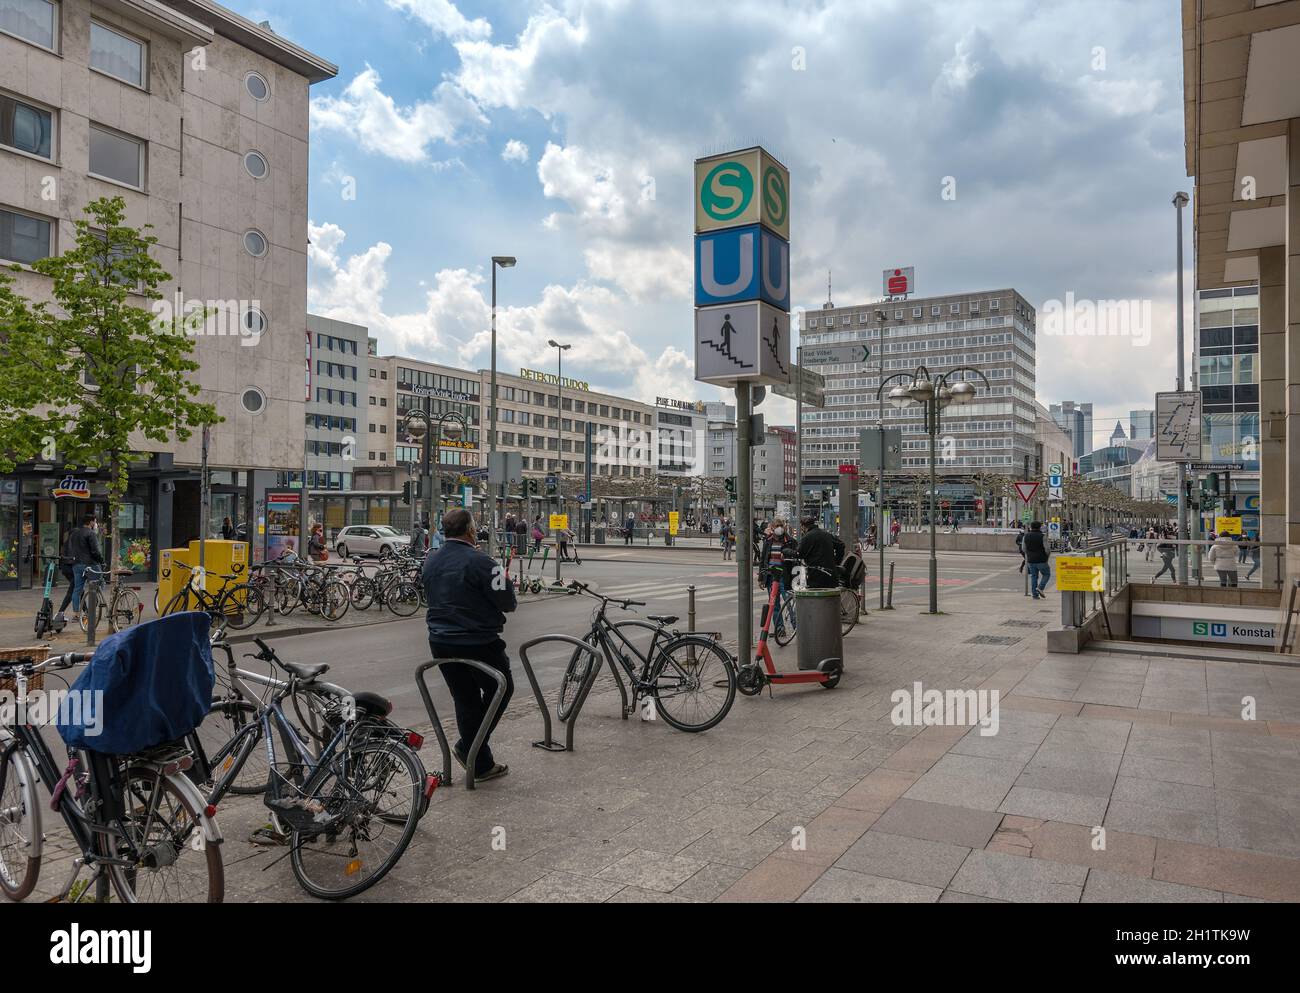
(1026, 490)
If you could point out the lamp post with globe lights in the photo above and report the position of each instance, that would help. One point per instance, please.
(933, 393)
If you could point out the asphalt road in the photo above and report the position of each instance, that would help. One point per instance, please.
(383, 658)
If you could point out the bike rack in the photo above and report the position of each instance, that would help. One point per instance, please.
(547, 743)
(493, 706)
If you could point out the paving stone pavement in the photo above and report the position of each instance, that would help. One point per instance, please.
(1109, 779)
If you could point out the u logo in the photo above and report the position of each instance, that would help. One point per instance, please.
(745, 267)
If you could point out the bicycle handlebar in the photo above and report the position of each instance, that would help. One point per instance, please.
(584, 588)
(65, 661)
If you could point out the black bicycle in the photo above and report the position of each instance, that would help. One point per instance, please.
(136, 821)
(690, 677)
(351, 805)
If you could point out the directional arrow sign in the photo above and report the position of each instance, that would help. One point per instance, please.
(833, 354)
(814, 387)
(1026, 491)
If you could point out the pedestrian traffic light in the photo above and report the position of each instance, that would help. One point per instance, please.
(1213, 481)
(406, 492)
(731, 484)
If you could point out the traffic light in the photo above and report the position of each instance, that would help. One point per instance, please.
(552, 486)
(1213, 481)
(406, 492)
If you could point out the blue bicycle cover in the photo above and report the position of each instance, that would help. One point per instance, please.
(144, 686)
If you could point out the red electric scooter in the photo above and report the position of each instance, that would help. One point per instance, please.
(751, 678)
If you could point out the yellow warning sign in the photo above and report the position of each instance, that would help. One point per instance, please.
(1080, 574)
(559, 522)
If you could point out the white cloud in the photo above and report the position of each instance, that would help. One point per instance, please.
(515, 151)
(364, 112)
(501, 75)
(443, 17)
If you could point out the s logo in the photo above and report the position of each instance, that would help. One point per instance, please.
(727, 191)
(775, 200)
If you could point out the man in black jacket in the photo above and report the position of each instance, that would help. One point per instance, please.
(1036, 558)
(820, 552)
(469, 595)
(83, 546)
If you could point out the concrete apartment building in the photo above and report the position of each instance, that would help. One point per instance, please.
(198, 119)
(992, 330)
(1241, 81)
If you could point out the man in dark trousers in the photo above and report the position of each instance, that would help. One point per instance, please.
(820, 552)
(83, 547)
(1035, 549)
(469, 595)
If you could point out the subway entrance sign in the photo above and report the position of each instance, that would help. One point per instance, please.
(740, 188)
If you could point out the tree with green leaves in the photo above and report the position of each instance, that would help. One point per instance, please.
(94, 372)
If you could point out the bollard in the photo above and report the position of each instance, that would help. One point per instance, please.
(90, 607)
(889, 605)
(690, 609)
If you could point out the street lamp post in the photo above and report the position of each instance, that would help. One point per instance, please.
(1180, 201)
(505, 262)
(559, 439)
(420, 424)
(934, 393)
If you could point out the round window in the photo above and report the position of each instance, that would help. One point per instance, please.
(255, 243)
(256, 86)
(254, 321)
(254, 400)
(255, 163)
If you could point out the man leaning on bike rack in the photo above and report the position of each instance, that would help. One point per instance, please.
(469, 594)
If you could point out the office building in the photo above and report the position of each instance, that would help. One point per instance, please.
(681, 433)
(992, 331)
(198, 119)
(337, 421)
(1075, 420)
(1141, 424)
(1228, 373)
(1242, 115)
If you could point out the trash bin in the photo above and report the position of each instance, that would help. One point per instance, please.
(820, 636)
(600, 536)
(668, 539)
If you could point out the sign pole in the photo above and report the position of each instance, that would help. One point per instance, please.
(744, 528)
(798, 437)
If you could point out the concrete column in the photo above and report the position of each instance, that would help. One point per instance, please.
(1272, 406)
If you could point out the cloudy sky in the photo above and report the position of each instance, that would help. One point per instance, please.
(563, 133)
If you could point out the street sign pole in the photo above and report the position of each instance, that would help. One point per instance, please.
(744, 528)
(798, 438)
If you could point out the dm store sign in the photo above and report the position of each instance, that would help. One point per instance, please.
(742, 264)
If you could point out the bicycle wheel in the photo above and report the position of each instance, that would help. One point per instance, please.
(369, 798)
(242, 606)
(287, 596)
(403, 598)
(335, 599)
(363, 592)
(20, 827)
(83, 613)
(694, 683)
(848, 610)
(232, 739)
(784, 624)
(179, 602)
(575, 675)
(127, 609)
(162, 825)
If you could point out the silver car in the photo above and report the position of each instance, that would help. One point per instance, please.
(371, 539)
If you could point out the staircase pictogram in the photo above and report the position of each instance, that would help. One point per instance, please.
(724, 349)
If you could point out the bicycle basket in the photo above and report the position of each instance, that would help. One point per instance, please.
(144, 686)
(37, 653)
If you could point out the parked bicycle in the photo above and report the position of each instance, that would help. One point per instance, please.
(119, 605)
(236, 607)
(691, 677)
(351, 804)
(137, 822)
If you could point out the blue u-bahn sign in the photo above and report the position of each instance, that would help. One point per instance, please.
(739, 264)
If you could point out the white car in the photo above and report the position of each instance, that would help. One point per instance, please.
(371, 539)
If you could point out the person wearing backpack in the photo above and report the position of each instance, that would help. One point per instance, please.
(66, 559)
(538, 534)
(1037, 559)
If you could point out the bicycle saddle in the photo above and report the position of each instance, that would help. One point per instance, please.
(305, 671)
(662, 618)
(372, 704)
